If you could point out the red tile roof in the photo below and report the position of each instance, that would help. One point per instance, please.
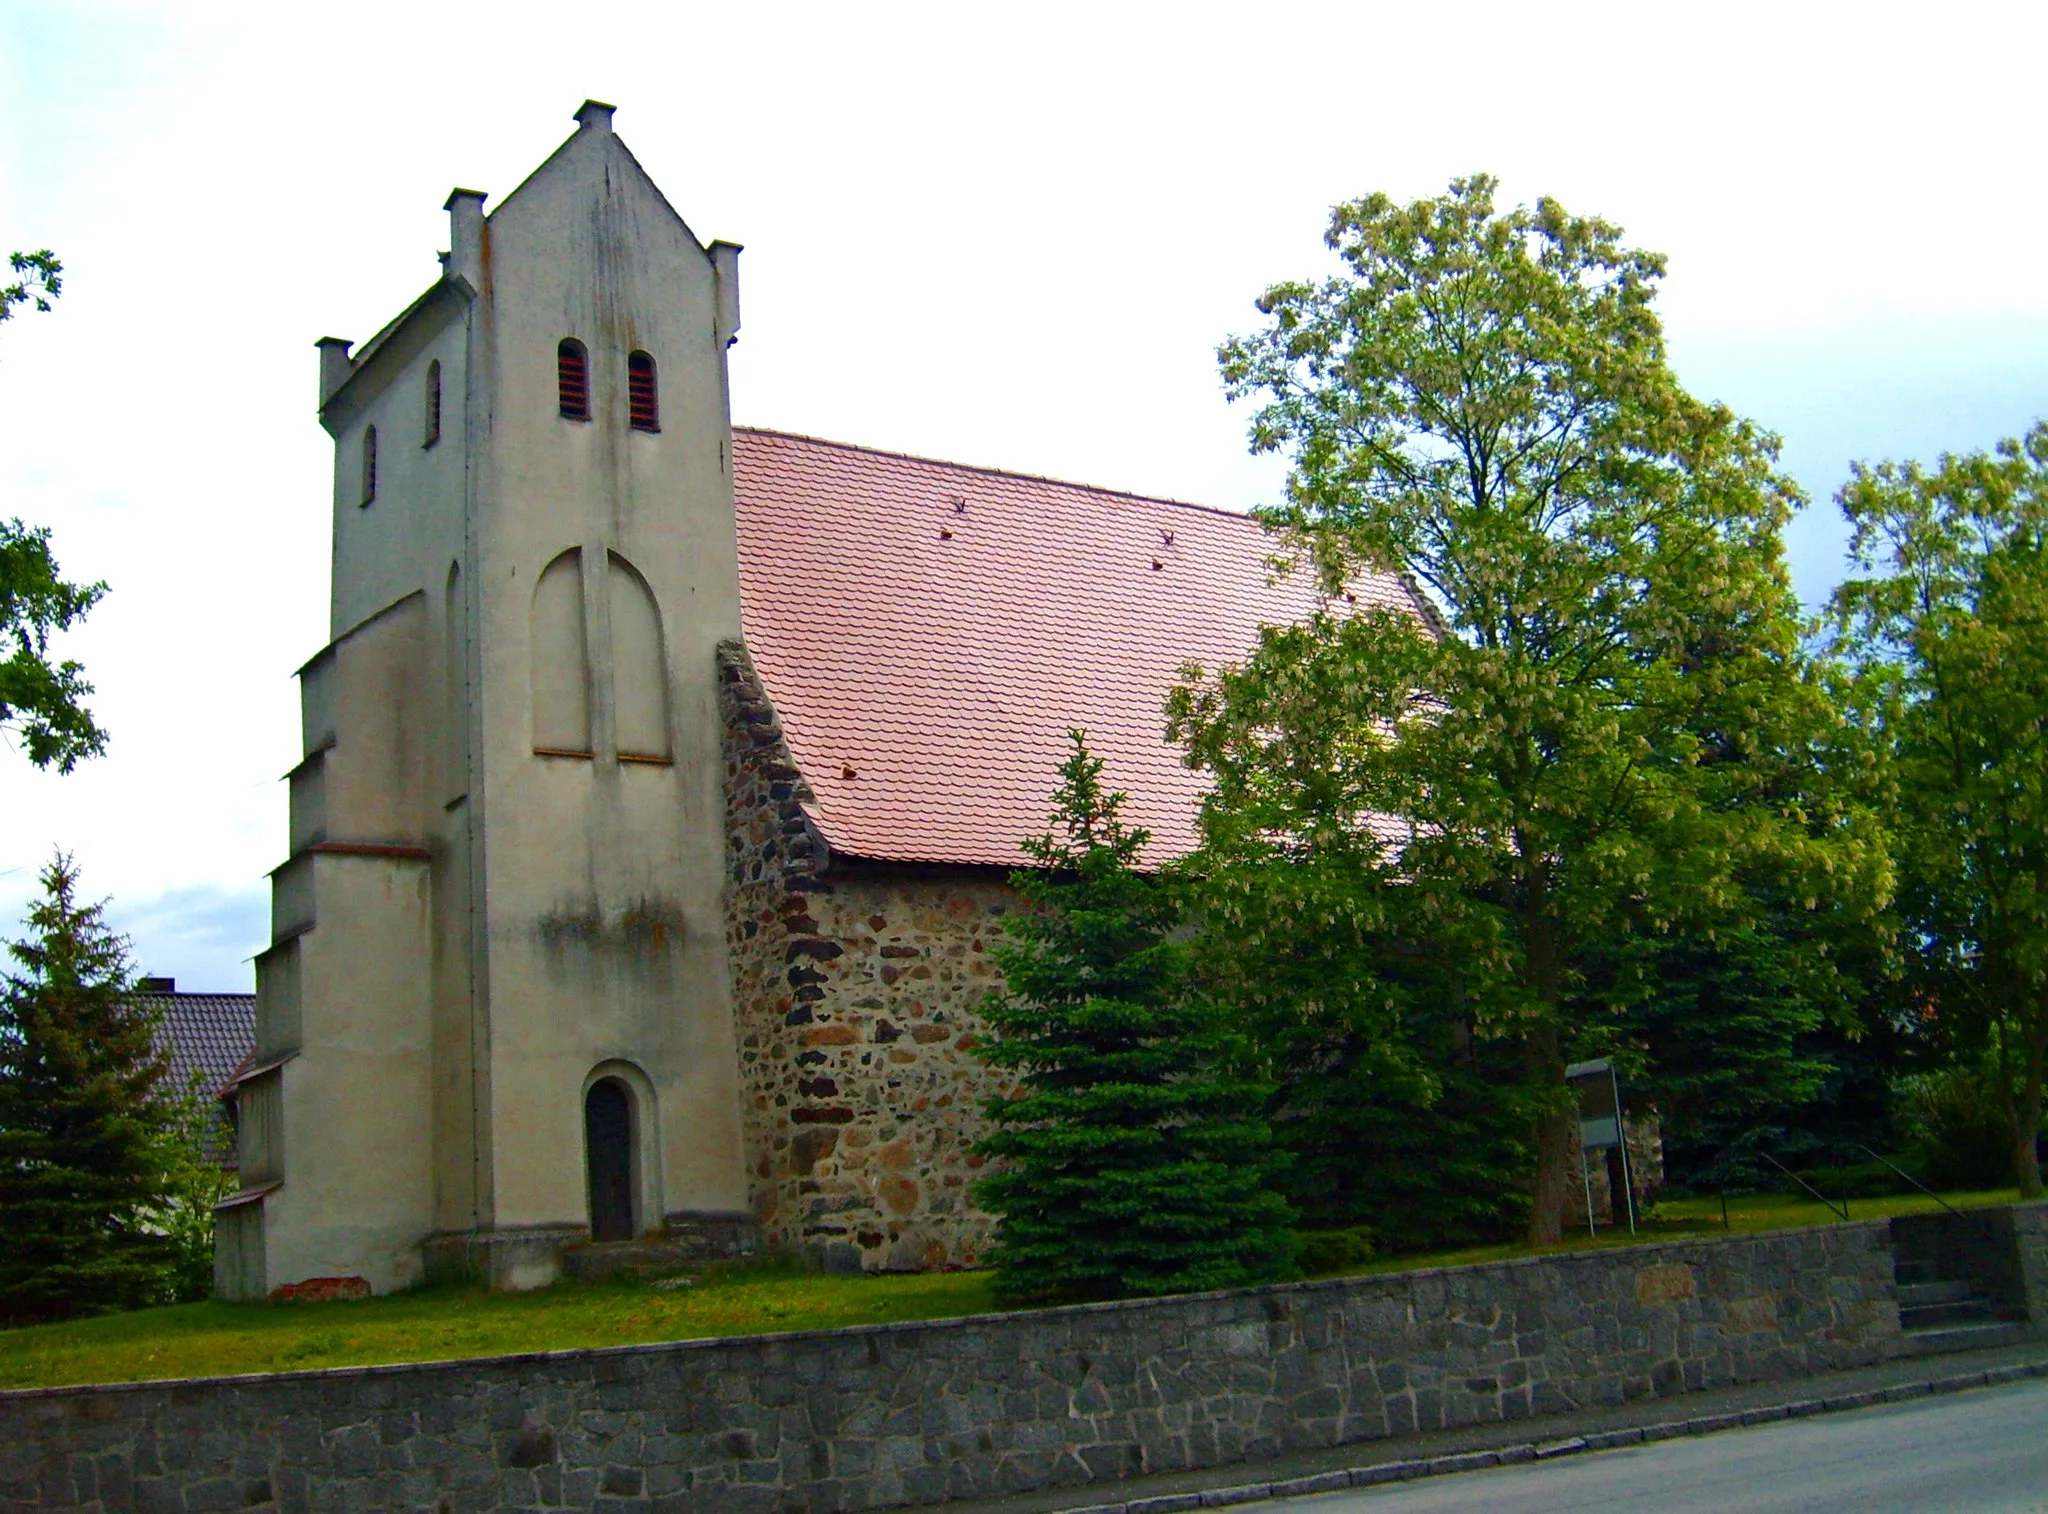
(929, 632)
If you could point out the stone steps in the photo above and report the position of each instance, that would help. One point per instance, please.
(1962, 1311)
(1940, 1314)
(613, 1261)
(1914, 1295)
(1977, 1337)
(685, 1244)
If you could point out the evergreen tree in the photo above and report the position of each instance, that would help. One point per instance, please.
(83, 1112)
(1717, 1038)
(1132, 1158)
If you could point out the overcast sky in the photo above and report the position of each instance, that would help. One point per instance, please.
(1004, 235)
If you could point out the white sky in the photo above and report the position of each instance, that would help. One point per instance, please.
(1009, 236)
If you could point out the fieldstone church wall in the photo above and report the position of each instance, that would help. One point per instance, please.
(857, 988)
(976, 1408)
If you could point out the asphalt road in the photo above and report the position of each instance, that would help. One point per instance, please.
(1982, 1452)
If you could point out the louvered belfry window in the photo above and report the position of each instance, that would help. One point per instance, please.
(643, 397)
(369, 464)
(572, 373)
(433, 416)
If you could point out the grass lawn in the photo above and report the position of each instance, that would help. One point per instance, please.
(433, 1324)
(204, 1340)
(1700, 1219)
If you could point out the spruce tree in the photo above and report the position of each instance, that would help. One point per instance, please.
(83, 1114)
(1132, 1157)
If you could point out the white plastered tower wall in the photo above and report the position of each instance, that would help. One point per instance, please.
(481, 914)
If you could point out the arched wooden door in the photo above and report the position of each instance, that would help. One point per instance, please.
(608, 1147)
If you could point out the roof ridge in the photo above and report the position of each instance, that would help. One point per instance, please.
(1034, 478)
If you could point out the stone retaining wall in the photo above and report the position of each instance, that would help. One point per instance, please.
(884, 1415)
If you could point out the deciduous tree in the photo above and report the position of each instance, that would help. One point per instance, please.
(1593, 741)
(42, 699)
(1391, 1109)
(1950, 631)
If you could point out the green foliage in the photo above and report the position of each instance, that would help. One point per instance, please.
(1607, 736)
(83, 1166)
(1719, 1033)
(39, 279)
(1448, 1170)
(1389, 1108)
(1957, 1127)
(1132, 1157)
(1322, 1252)
(1949, 633)
(192, 1144)
(41, 698)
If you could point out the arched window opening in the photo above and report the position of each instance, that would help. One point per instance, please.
(608, 1151)
(561, 668)
(433, 416)
(572, 375)
(643, 397)
(369, 464)
(639, 668)
(454, 689)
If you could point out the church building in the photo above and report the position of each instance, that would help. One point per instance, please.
(662, 779)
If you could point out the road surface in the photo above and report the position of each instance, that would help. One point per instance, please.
(1981, 1452)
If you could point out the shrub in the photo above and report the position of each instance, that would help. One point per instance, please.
(1326, 1251)
(1959, 1133)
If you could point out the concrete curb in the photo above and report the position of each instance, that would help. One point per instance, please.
(1338, 1480)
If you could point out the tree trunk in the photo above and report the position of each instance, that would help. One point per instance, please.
(2026, 1160)
(1557, 1136)
(1557, 1120)
(2027, 1127)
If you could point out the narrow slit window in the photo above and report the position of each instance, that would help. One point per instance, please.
(433, 416)
(369, 464)
(642, 394)
(572, 374)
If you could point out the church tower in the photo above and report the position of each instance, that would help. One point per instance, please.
(494, 1021)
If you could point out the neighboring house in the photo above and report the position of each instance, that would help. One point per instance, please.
(662, 779)
(208, 1037)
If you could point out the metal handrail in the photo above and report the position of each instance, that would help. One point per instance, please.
(1795, 1177)
(1908, 1177)
(1843, 1210)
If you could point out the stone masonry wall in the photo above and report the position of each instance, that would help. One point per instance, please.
(972, 1408)
(857, 988)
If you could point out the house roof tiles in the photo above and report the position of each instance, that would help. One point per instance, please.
(207, 1034)
(929, 632)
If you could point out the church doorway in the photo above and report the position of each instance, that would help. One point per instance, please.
(608, 1145)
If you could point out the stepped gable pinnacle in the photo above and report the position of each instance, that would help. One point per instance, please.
(929, 632)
